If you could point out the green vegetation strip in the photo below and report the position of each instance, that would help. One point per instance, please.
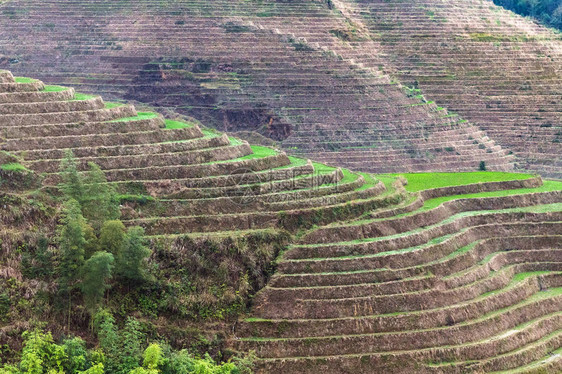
(433, 241)
(552, 356)
(264, 172)
(370, 181)
(325, 185)
(295, 162)
(235, 141)
(140, 116)
(441, 239)
(318, 167)
(216, 234)
(346, 285)
(258, 151)
(537, 297)
(24, 80)
(515, 352)
(517, 279)
(81, 97)
(174, 124)
(210, 133)
(425, 181)
(55, 89)
(205, 136)
(546, 208)
(110, 105)
(548, 186)
(13, 166)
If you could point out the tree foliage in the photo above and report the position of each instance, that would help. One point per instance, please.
(75, 350)
(72, 185)
(134, 255)
(96, 273)
(108, 338)
(131, 350)
(112, 239)
(71, 245)
(97, 198)
(547, 11)
(99, 202)
(41, 355)
(119, 352)
(92, 245)
(152, 357)
(92, 207)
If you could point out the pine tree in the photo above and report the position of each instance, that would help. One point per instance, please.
(100, 202)
(96, 273)
(135, 253)
(72, 184)
(71, 244)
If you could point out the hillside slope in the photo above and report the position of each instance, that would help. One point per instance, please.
(460, 278)
(300, 72)
(436, 272)
(496, 69)
(216, 210)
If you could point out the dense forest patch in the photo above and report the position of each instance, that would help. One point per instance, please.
(547, 11)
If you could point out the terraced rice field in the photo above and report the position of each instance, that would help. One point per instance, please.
(498, 70)
(301, 72)
(396, 273)
(463, 276)
(175, 176)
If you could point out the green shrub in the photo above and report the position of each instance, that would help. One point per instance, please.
(482, 166)
(5, 304)
(38, 262)
(14, 166)
(138, 199)
(120, 352)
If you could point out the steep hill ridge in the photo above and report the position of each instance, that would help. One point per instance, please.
(300, 72)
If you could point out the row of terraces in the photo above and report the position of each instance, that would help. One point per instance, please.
(464, 275)
(429, 273)
(494, 68)
(282, 69)
(174, 176)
